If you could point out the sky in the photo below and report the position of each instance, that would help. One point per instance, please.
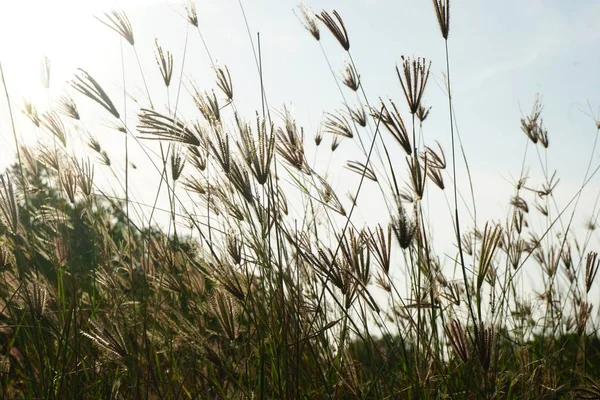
(501, 55)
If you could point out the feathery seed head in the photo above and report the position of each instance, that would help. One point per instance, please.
(359, 116)
(257, 153)
(67, 106)
(240, 179)
(36, 296)
(290, 144)
(88, 86)
(208, 106)
(234, 247)
(338, 29)
(226, 309)
(224, 82)
(85, 177)
(337, 125)
(394, 124)
(381, 246)
(192, 15)
(52, 122)
(118, 22)
(592, 263)
(413, 78)
(177, 163)
(442, 12)
(9, 211)
(403, 227)
(418, 172)
(351, 77)
(165, 63)
(423, 112)
(31, 112)
(318, 137)
(489, 243)
(220, 148)
(109, 340)
(309, 21)
(335, 142)
(328, 196)
(458, 340)
(484, 344)
(533, 124)
(197, 157)
(68, 181)
(361, 169)
(160, 126)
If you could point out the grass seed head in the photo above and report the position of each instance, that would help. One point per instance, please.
(394, 123)
(165, 63)
(423, 112)
(351, 77)
(337, 125)
(177, 163)
(458, 340)
(85, 177)
(361, 169)
(67, 107)
(224, 82)
(31, 112)
(159, 126)
(592, 263)
(335, 142)
(85, 84)
(359, 116)
(413, 77)
(52, 122)
(403, 227)
(68, 181)
(118, 22)
(338, 29)
(309, 21)
(8, 205)
(442, 12)
(192, 15)
(290, 144)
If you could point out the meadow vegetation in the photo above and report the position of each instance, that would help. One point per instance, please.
(268, 287)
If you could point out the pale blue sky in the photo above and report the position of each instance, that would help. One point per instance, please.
(502, 54)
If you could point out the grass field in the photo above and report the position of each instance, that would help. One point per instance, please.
(249, 273)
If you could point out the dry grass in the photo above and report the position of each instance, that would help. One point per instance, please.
(267, 287)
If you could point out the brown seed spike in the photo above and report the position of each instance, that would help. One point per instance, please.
(192, 15)
(458, 339)
(442, 12)
(591, 269)
(337, 125)
(338, 29)
(351, 77)
(413, 78)
(165, 63)
(224, 82)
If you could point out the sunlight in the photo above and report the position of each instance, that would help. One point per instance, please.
(65, 31)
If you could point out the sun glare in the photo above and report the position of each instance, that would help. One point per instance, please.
(64, 31)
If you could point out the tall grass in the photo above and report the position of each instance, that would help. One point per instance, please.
(263, 284)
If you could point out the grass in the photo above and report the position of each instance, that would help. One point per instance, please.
(264, 285)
